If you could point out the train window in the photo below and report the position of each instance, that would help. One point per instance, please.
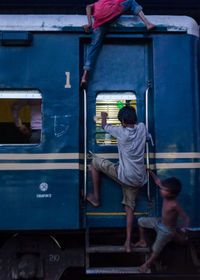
(111, 103)
(20, 116)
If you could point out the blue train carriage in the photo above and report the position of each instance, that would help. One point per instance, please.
(43, 214)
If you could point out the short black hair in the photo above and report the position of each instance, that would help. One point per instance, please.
(128, 115)
(173, 185)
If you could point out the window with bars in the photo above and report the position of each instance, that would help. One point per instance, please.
(111, 103)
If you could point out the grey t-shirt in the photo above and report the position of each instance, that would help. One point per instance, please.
(131, 146)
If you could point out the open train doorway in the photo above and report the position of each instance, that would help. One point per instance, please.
(122, 76)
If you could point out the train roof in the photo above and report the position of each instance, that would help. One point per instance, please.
(74, 22)
(151, 7)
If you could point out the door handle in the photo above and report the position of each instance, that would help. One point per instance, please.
(147, 144)
(85, 144)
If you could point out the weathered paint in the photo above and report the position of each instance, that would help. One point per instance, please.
(60, 22)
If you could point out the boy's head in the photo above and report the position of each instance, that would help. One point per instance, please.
(127, 115)
(172, 185)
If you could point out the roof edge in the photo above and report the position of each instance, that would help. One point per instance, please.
(16, 22)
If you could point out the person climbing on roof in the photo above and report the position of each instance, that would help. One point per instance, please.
(105, 12)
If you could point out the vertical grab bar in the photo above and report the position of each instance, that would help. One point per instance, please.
(85, 144)
(147, 144)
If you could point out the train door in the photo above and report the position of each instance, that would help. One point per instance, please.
(122, 76)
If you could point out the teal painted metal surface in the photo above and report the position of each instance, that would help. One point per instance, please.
(126, 63)
(171, 64)
(43, 65)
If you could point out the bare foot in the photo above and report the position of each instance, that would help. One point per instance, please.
(151, 26)
(83, 84)
(91, 199)
(91, 155)
(140, 244)
(127, 247)
(144, 268)
(84, 78)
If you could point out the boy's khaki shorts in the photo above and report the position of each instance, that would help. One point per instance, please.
(110, 169)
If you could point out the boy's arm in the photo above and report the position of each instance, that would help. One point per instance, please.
(149, 138)
(16, 117)
(108, 128)
(89, 11)
(155, 178)
(104, 119)
(15, 111)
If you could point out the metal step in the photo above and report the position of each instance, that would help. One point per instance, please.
(115, 249)
(114, 270)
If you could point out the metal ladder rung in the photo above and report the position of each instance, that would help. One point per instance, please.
(115, 249)
(114, 270)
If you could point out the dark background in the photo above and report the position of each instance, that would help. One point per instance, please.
(164, 7)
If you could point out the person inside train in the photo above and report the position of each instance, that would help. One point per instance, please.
(105, 12)
(34, 133)
(165, 226)
(130, 172)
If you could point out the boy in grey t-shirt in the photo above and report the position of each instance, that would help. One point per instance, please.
(130, 172)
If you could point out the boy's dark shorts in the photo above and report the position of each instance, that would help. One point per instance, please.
(110, 169)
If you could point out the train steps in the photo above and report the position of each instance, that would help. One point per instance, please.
(112, 259)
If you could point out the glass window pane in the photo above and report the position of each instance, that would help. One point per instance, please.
(111, 103)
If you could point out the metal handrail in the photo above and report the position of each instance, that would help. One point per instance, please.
(85, 144)
(147, 144)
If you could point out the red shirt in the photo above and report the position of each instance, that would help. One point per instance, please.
(105, 10)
